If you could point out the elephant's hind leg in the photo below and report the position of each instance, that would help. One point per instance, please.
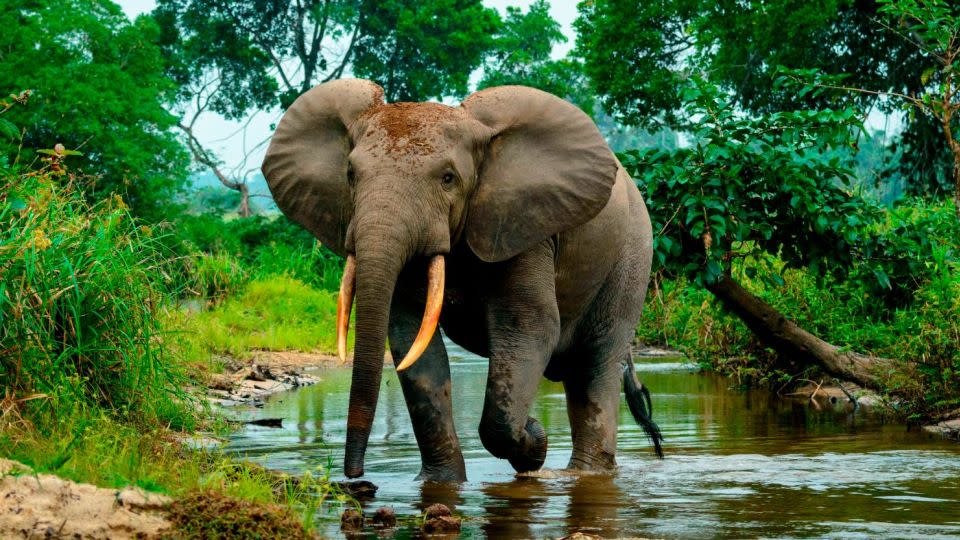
(426, 389)
(593, 403)
(605, 335)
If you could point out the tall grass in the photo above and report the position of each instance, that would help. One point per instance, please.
(276, 313)
(223, 255)
(82, 287)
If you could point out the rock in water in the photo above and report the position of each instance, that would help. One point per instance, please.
(437, 510)
(358, 489)
(439, 519)
(351, 520)
(385, 517)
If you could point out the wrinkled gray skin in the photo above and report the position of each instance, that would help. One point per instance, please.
(547, 244)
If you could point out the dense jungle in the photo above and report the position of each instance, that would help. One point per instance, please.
(169, 327)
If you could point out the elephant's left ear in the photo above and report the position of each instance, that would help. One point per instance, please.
(546, 169)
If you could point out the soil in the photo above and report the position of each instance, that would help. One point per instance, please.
(212, 515)
(45, 506)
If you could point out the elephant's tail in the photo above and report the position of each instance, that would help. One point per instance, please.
(638, 399)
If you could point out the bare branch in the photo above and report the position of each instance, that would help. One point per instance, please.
(338, 72)
(202, 157)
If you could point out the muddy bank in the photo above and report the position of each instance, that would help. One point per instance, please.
(34, 506)
(947, 426)
(46, 506)
(248, 382)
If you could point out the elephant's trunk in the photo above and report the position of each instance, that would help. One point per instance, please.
(376, 276)
(383, 243)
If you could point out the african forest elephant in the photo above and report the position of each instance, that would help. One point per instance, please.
(513, 219)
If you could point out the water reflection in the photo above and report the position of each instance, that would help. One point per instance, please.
(738, 464)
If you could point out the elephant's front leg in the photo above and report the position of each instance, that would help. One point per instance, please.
(426, 389)
(524, 326)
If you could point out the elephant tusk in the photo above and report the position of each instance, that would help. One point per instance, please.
(344, 305)
(431, 314)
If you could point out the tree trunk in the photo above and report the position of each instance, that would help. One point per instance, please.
(956, 178)
(244, 209)
(788, 339)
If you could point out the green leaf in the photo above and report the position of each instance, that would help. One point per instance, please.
(9, 130)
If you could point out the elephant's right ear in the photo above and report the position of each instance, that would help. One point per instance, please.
(306, 164)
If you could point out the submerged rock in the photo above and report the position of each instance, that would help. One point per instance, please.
(358, 489)
(949, 429)
(442, 524)
(439, 519)
(351, 520)
(385, 517)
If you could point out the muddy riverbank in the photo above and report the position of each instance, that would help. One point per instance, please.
(248, 382)
(46, 506)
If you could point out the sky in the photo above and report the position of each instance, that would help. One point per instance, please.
(231, 142)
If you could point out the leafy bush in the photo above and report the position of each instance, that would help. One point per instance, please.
(222, 254)
(748, 187)
(82, 287)
(906, 248)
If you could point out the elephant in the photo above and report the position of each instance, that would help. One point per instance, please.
(508, 222)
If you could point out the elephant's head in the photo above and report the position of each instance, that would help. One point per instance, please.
(384, 184)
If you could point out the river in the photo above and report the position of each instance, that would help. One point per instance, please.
(738, 463)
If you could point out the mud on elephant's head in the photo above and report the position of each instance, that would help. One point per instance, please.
(388, 183)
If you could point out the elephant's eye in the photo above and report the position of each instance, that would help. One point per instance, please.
(448, 180)
(351, 180)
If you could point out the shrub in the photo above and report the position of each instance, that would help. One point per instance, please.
(81, 290)
(925, 332)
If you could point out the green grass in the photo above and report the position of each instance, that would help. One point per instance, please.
(276, 313)
(96, 386)
(103, 451)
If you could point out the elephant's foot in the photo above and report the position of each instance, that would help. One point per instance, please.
(449, 473)
(600, 462)
(532, 456)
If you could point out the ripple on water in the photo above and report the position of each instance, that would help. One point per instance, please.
(738, 464)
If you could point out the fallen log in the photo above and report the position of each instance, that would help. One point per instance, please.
(788, 339)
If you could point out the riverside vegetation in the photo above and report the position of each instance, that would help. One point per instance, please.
(103, 365)
(95, 389)
(119, 300)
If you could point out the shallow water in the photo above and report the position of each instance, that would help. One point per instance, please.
(738, 464)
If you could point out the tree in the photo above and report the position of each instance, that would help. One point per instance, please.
(233, 57)
(932, 27)
(750, 191)
(419, 50)
(639, 55)
(521, 54)
(99, 87)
